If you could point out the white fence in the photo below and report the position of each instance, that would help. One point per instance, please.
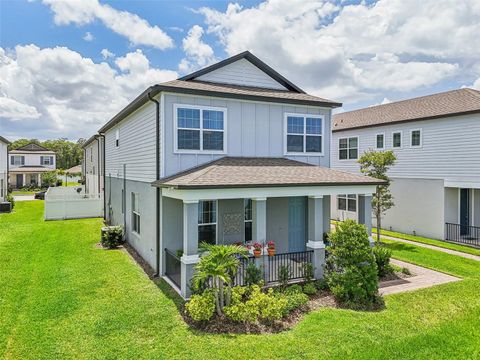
(68, 203)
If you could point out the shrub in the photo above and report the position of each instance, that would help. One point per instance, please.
(309, 289)
(201, 307)
(294, 300)
(293, 289)
(382, 258)
(11, 199)
(59, 182)
(308, 271)
(406, 271)
(351, 271)
(253, 275)
(321, 284)
(284, 275)
(112, 236)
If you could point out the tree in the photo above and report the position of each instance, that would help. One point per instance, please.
(216, 268)
(376, 164)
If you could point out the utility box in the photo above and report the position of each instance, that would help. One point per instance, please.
(5, 207)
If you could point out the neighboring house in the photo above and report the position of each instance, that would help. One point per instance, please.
(92, 167)
(3, 168)
(232, 153)
(28, 163)
(436, 179)
(73, 174)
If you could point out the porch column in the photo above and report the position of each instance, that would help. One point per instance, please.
(190, 245)
(259, 223)
(39, 179)
(24, 179)
(316, 227)
(365, 214)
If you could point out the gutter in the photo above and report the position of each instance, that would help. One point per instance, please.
(98, 163)
(157, 173)
(102, 135)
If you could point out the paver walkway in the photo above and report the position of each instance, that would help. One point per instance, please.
(423, 278)
(433, 247)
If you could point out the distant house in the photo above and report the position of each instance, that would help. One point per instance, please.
(28, 163)
(436, 180)
(3, 168)
(92, 167)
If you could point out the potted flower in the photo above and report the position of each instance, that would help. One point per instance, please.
(257, 249)
(271, 248)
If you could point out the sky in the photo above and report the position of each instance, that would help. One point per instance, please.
(66, 67)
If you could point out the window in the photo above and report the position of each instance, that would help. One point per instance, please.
(416, 138)
(397, 139)
(348, 148)
(304, 133)
(207, 221)
(17, 160)
(135, 213)
(380, 141)
(91, 154)
(117, 138)
(46, 160)
(248, 219)
(200, 129)
(347, 202)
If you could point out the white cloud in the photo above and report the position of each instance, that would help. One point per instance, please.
(107, 54)
(133, 27)
(359, 51)
(198, 53)
(88, 36)
(476, 84)
(57, 92)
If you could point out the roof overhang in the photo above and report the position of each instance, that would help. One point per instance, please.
(90, 140)
(5, 140)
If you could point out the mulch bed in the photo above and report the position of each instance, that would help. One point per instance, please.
(395, 276)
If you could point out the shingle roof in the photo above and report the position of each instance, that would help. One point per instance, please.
(455, 102)
(230, 172)
(32, 147)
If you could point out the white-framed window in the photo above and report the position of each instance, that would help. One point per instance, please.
(46, 160)
(347, 202)
(207, 221)
(416, 138)
(397, 139)
(17, 160)
(200, 129)
(135, 213)
(117, 138)
(91, 154)
(380, 141)
(247, 205)
(348, 148)
(304, 134)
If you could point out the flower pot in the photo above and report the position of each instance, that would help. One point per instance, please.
(257, 253)
(271, 251)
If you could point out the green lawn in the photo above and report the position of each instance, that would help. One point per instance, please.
(23, 192)
(61, 297)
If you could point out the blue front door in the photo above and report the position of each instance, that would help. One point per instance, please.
(297, 224)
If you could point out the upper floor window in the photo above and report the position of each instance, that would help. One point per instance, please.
(200, 128)
(46, 160)
(207, 221)
(348, 148)
(416, 138)
(117, 138)
(17, 160)
(304, 133)
(397, 139)
(380, 141)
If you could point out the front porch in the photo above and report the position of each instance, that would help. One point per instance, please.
(295, 216)
(23, 177)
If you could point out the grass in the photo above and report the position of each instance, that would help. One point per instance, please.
(63, 298)
(424, 240)
(24, 192)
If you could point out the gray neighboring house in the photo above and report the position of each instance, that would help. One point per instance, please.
(436, 180)
(93, 165)
(233, 153)
(3, 168)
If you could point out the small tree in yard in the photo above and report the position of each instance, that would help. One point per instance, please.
(376, 165)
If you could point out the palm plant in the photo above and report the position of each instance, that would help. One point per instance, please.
(217, 267)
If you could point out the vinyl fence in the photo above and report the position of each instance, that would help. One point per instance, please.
(68, 203)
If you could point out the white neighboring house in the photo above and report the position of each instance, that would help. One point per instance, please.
(436, 180)
(92, 167)
(3, 168)
(28, 163)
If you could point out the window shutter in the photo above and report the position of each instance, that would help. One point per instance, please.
(51, 160)
(12, 160)
(41, 160)
(23, 160)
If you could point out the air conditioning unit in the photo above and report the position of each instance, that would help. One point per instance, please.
(5, 207)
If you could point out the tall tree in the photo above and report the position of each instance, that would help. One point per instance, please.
(376, 164)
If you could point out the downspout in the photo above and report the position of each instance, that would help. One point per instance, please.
(104, 178)
(85, 169)
(98, 165)
(157, 175)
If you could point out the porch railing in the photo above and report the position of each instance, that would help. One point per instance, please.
(291, 264)
(239, 279)
(173, 267)
(464, 234)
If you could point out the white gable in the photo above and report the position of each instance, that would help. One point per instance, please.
(241, 72)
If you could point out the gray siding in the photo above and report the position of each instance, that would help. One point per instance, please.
(253, 129)
(94, 166)
(451, 205)
(136, 146)
(449, 151)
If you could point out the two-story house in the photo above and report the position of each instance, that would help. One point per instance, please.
(92, 166)
(28, 163)
(436, 178)
(3, 168)
(232, 153)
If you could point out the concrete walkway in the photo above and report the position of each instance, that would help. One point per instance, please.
(24, 197)
(433, 247)
(423, 278)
